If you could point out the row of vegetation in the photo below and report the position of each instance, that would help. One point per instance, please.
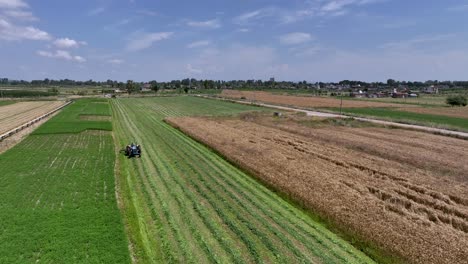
(28, 93)
(238, 84)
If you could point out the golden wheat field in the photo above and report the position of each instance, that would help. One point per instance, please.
(301, 101)
(405, 191)
(14, 115)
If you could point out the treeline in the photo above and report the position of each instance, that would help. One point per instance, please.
(27, 93)
(235, 84)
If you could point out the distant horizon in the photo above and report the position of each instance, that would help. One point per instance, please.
(327, 40)
(245, 80)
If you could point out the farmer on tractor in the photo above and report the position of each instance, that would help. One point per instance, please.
(132, 150)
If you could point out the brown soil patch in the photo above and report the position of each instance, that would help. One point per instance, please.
(11, 141)
(95, 118)
(461, 112)
(301, 101)
(15, 115)
(405, 191)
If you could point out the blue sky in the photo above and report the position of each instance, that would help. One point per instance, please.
(313, 40)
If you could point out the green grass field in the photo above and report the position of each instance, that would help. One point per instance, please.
(70, 122)
(2, 103)
(57, 196)
(183, 203)
(411, 118)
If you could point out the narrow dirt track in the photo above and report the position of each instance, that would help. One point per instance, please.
(404, 190)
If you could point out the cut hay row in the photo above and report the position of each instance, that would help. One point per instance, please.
(189, 205)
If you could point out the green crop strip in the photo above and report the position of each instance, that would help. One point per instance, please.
(57, 199)
(3, 103)
(411, 118)
(69, 121)
(202, 208)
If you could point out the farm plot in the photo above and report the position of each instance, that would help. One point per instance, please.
(301, 101)
(430, 117)
(57, 198)
(14, 115)
(405, 191)
(183, 203)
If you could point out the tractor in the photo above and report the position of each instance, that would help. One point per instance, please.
(132, 150)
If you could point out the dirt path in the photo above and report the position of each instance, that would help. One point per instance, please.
(440, 131)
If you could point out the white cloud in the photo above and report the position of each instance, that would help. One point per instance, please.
(66, 43)
(243, 30)
(295, 38)
(146, 40)
(308, 52)
(11, 32)
(115, 61)
(147, 12)
(12, 4)
(61, 54)
(458, 8)
(337, 7)
(192, 70)
(20, 15)
(212, 24)
(249, 17)
(420, 40)
(96, 11)
(234, 62)
(198, 44)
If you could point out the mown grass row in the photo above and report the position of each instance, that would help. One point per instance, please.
(203, 208)
(57, 200)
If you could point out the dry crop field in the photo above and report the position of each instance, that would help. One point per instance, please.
(455, 118)
(301, 101)
(14, 115)
(405, 191)
(461, 112)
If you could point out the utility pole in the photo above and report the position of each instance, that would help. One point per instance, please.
(341, 103)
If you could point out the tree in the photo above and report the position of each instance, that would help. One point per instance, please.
(391, 82)
(154, 86)
(456, 100)
(131, 87)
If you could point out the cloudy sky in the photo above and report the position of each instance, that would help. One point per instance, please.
(313, 40)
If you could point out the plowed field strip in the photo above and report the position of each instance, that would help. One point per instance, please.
(231, 217)
(15, 115)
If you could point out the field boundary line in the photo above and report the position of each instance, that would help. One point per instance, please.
(438, 131)
(29, 123)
